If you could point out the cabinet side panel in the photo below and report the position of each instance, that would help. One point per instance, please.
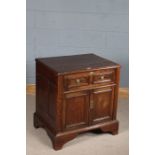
(52, 103)
(45, 96)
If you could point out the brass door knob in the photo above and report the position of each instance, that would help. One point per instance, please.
(77, 81)
(91, 73)
(102, 77)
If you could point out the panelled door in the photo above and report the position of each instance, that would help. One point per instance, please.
(89, 107)
(101, 101)
(75, 109)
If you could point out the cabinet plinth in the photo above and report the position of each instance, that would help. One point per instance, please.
(75, 94)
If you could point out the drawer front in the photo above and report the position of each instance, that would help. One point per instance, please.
(76, 80)
(104, 76)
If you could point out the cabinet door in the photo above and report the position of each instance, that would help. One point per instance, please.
(101, 103)
(75, 110)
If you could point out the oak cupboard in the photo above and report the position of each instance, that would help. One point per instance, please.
(75, 94)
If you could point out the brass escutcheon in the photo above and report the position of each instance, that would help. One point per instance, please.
(77, 81)
(91, 73)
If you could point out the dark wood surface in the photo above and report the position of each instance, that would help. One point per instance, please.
(82, 98)
(76, 62)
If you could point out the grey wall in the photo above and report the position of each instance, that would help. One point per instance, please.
(67, 27)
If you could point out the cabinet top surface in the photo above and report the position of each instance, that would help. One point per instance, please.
(72, 63)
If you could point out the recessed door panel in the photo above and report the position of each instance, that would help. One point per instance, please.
(76, 107)
(102, 104)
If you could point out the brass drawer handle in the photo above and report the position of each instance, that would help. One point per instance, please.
(102, 77)
(78, 81)
(91, 73)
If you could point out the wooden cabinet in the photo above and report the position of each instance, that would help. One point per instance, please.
(75, 94)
